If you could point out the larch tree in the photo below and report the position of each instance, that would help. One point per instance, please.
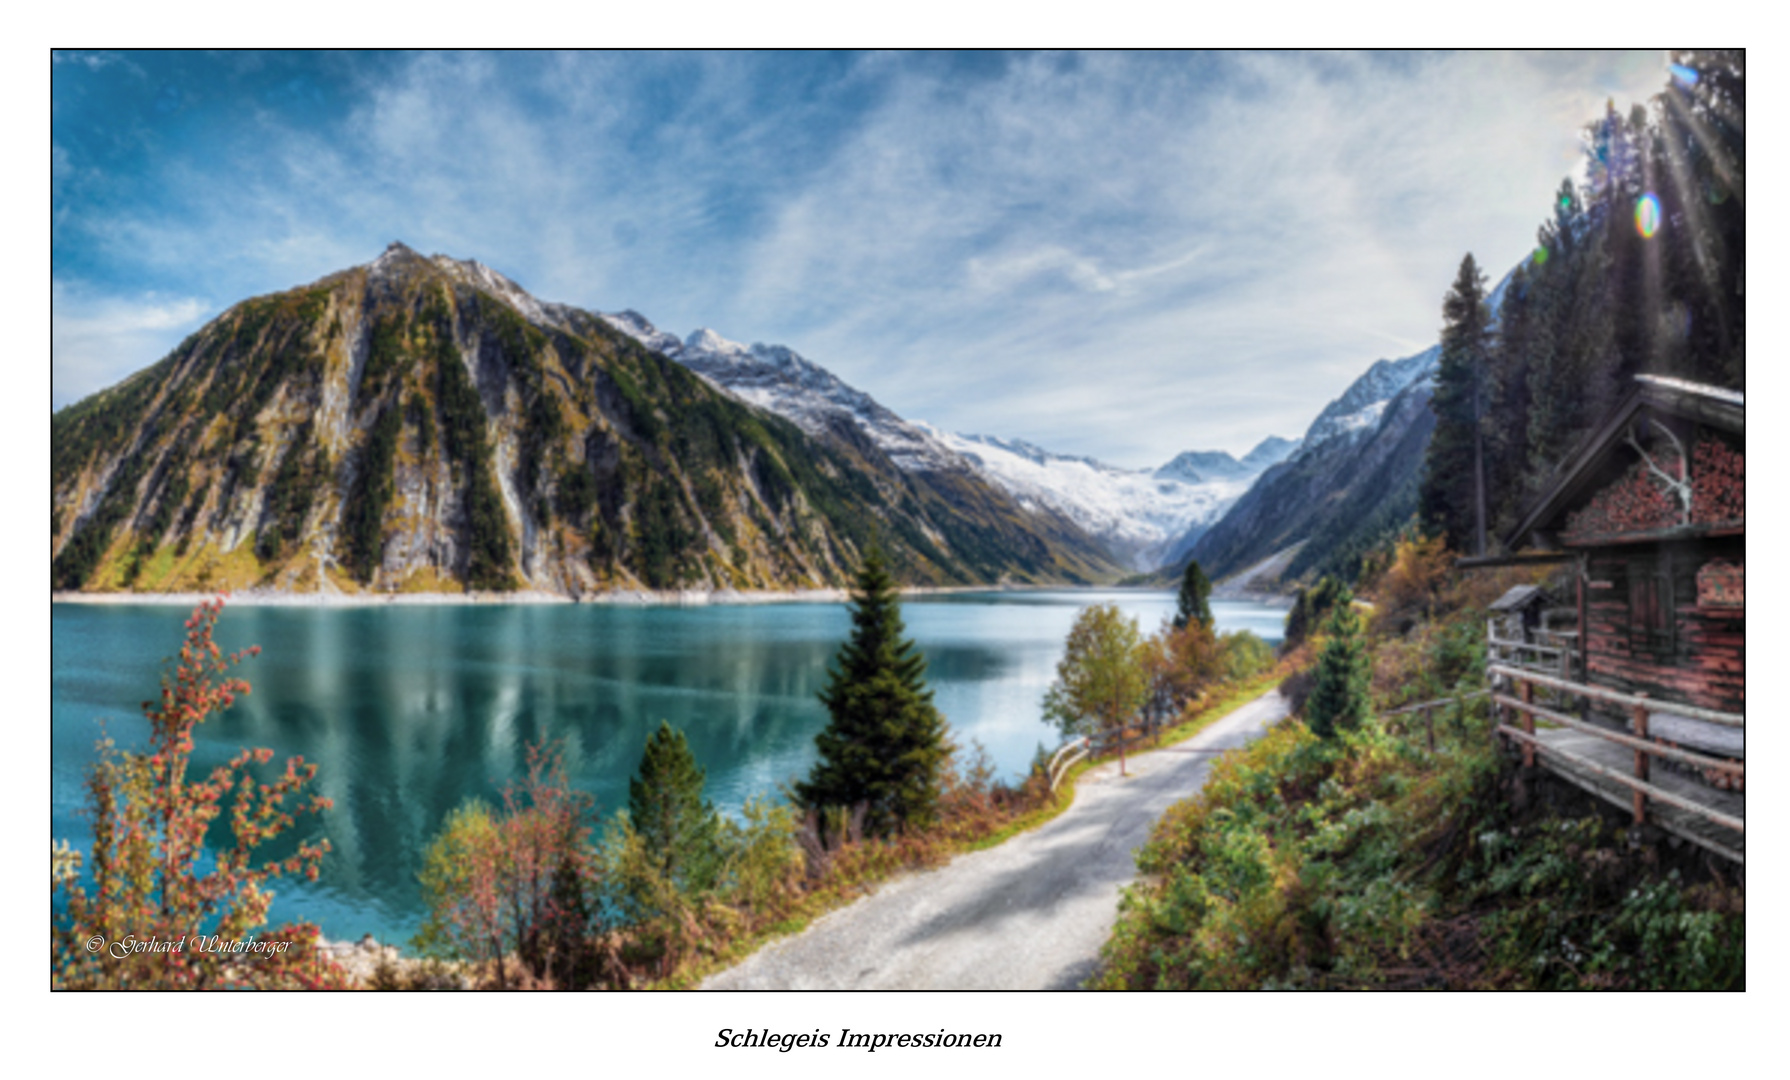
(1103, 679)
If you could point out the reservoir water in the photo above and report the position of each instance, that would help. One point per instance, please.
(408, 711)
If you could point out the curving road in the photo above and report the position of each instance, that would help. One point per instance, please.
(1030, 914)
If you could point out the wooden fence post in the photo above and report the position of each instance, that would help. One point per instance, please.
(1528, 695)
(1643, 762)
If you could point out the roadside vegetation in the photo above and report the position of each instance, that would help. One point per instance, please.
(541, 892)
(1349, 849)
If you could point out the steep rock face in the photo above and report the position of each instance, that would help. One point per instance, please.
(426, 424)
(1353, 478)
(783, 382)
(1359, 409)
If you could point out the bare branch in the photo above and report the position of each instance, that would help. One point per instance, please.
(1679, 485)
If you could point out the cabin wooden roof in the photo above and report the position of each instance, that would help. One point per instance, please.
(1521, 596)
(1595, 461)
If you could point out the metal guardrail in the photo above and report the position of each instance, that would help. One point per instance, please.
(1059, 766)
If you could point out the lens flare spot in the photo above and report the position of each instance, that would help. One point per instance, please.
(1686, 76)
(1647, 215)
(1540, 257)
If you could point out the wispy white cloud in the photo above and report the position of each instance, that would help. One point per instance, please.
(98, 340)
(1122, 255)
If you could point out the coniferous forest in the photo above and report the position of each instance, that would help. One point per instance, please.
(1640, 270)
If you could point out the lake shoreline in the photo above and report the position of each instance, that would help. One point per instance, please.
(620, 598)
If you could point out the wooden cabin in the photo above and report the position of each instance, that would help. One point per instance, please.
(1650, 510)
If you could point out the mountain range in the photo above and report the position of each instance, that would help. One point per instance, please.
(1142, 518)
(1353, 480)
(424, 424)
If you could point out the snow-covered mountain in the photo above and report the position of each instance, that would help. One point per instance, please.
(782, 381)
(1353, 477)
(1142, 516)
(1359, 409)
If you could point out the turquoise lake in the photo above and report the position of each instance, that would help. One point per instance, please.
(409, 711)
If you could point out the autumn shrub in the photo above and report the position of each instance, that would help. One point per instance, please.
(1568, 907)
(517, 881)
(1243, 656)
(1412, 587)
(155, 879)
(764, 866)
(1293, 867)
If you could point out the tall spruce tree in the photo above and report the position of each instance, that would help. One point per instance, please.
(680, 828)
(1339, 698)
(1454, 464)
(1192, 605)
(885, 742)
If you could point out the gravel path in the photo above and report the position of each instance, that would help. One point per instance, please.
(1030, 914)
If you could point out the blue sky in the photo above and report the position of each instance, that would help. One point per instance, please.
(1121, 255)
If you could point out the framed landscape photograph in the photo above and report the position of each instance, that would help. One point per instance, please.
(916, 520)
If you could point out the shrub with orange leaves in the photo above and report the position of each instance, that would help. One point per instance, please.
(163, 911)
(1412, 587)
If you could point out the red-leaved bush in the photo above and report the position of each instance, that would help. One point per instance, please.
(152, 916)
(518, 884)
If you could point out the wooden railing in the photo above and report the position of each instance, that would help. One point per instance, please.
(1640, 710)
(1530, 656)
(1424, 712)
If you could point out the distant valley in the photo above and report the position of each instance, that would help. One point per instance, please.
(1144, 518)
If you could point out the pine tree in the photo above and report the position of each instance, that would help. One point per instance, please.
(885, 742)
(1339, 698)
(665, 804)
(1454, 460)
(1507, 395)
(1313, 604)
(1192, 605)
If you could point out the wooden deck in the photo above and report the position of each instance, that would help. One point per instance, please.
(1628, 765)
(1618, 759)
